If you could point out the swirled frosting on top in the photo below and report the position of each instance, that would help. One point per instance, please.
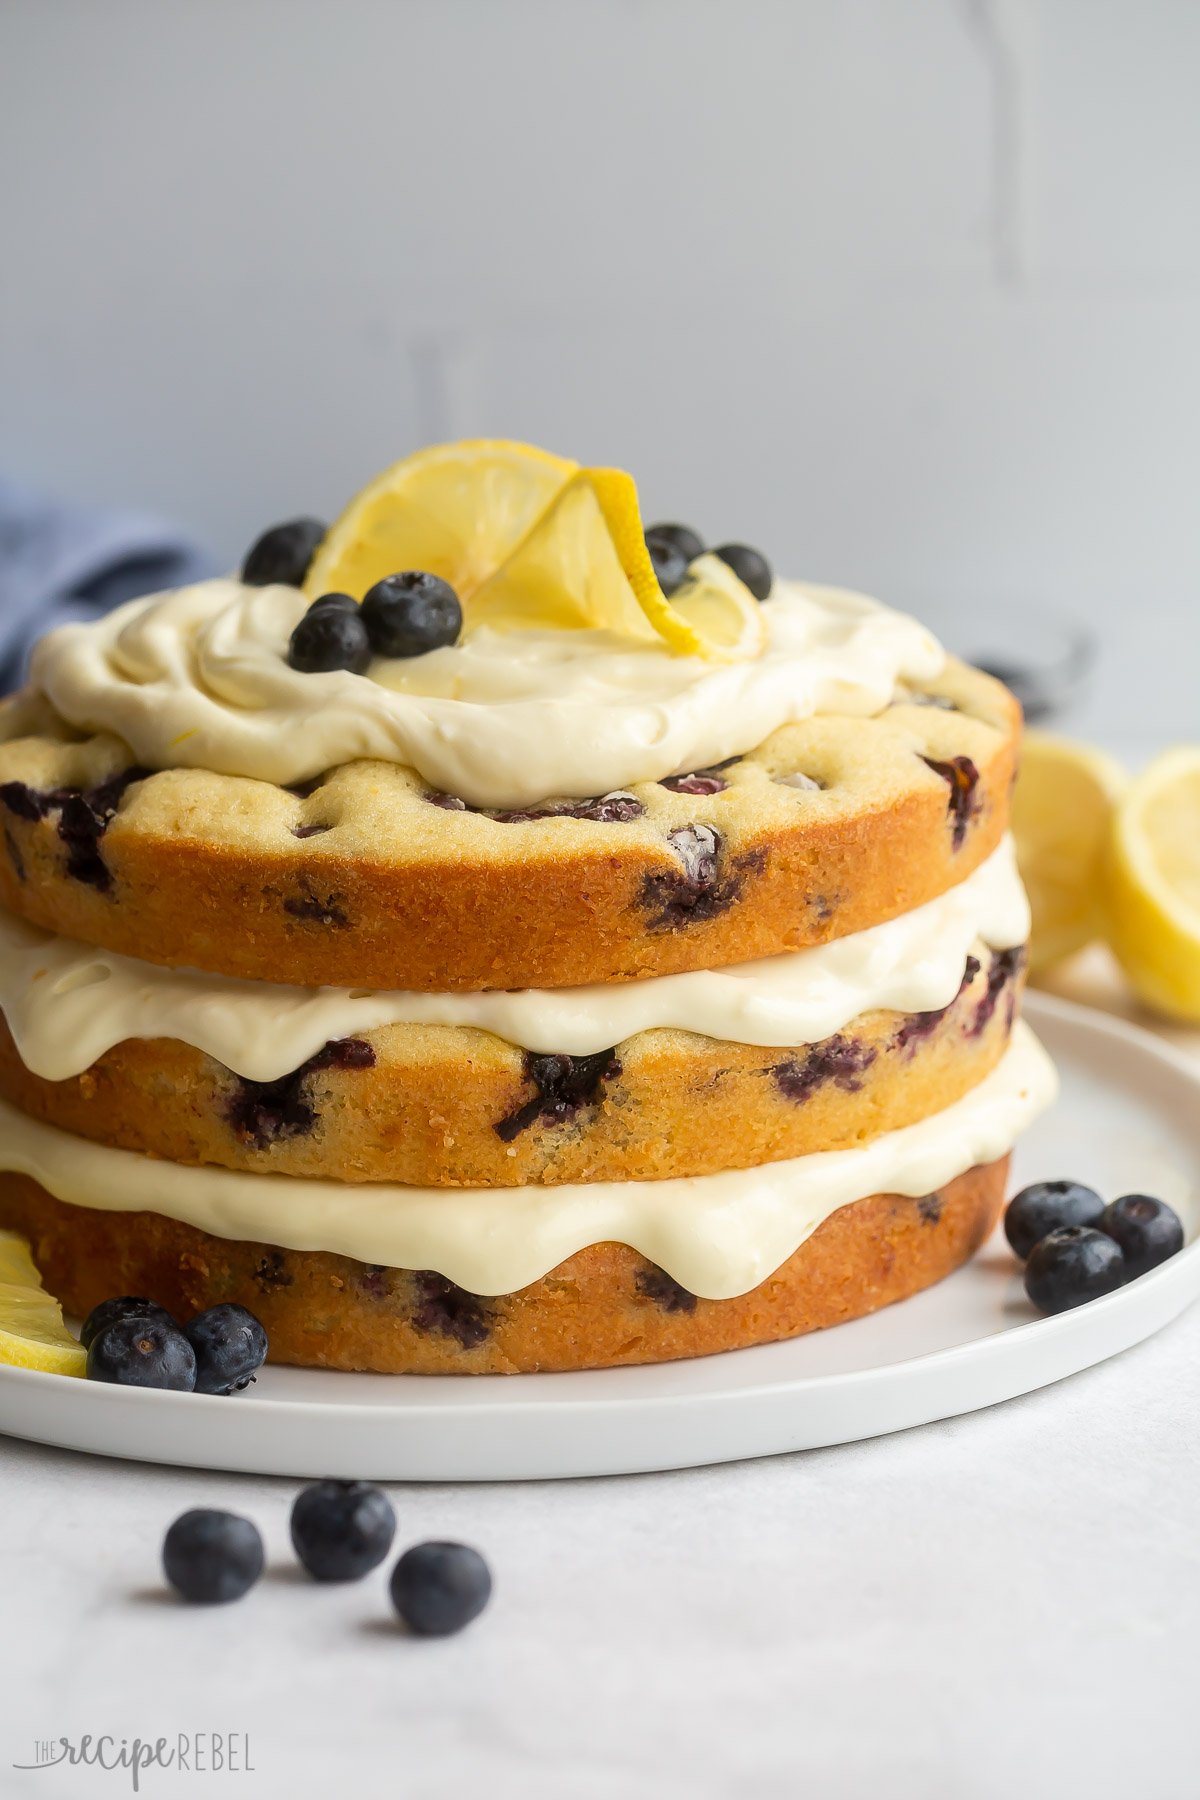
(198, 678)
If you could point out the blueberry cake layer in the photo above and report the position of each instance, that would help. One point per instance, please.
(603, 1306)
(367, 876)
(444, 1107)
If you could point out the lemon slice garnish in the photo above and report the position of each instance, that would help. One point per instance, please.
(32, 1333)
(527, 539)
(1153, 870)
(1061, 816)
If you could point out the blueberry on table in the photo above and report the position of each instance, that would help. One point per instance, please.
(411, 613)
(230, 1345)
(670, 563)
(437, 1588)
(342, 1529)
(1148, 1231)
(689, 543)
(211, 1557)
(1044, 1207)
(750, 567)
(126, 1306)
(142, 1352)
(330, 637)
(283, 554)
(1071, 1266)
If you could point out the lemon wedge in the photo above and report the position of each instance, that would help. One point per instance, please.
(1062, 813)
(32, 1333)
(527, 539)
(1153, 870)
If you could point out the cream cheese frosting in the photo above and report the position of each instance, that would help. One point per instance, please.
(718, 1235)
(198, 678)
(66, 1003)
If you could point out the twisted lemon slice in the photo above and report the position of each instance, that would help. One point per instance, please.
(32, 1333)
(527, 539)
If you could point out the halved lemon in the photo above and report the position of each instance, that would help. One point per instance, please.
(1153, 869)
(530, 539)
(1062, 812)
(32, 1333)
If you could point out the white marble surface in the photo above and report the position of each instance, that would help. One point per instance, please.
(1006, 1604)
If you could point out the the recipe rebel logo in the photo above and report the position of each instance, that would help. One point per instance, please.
(194, 1753)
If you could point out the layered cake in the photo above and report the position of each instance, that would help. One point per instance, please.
(485, 937)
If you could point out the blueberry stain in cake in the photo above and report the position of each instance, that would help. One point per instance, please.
(701, 781)
(653, 1283)
(444, 1310)
(272, 1273)
(839, 1060)
(262, 1113)
(314, 908)
(929, 1206)
(564, 1084)
(701, 887)
(1005, 967)
(919, 1026)
(308, 831)
(962, 777)
(616, 808)
(374, 1281)
(84, 815)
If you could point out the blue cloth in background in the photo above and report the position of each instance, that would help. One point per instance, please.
(61, 562)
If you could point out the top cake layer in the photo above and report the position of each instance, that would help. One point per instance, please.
(557, 750)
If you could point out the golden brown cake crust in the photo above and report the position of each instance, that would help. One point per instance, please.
(437, 1107)
(362, 881)
(602, 1307)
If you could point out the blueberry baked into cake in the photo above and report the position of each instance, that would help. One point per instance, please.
(487, 936)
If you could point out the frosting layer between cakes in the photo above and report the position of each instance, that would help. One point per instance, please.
(197, 678)
(718, 1235)
(67, 1004)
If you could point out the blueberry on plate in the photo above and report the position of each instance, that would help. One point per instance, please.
(211, 1556)
(411, 613)
(1071, 1266)
(749, 566)
(142, 1352)
(689, 543)
(437, 1588)
(283, 553)
(1044, 1207)
(330, 637)
(126, 1306)
(342, 1529)
(1148, 1231)
(669, 561)
(230, 1347)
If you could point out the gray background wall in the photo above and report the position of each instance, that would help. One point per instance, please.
(906, 290)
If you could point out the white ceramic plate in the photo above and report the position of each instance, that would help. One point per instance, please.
(1128, 1119)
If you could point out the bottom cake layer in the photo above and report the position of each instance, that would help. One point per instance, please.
(604, 1306)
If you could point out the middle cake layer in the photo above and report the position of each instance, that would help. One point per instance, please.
(685, 1075)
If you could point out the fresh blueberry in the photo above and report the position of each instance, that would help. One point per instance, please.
(689, 543)
(1071, 1266)
(211, 1556)
(342, 1529)
(127, 1306)
(408, 614)
(330, 637)
(670, 563)
(338, 602)
(142, 1352)
(230, 1346)
(283, 554)
(1148, 1231)
(438, 1588)
(749, 566)
(1044, 1207)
